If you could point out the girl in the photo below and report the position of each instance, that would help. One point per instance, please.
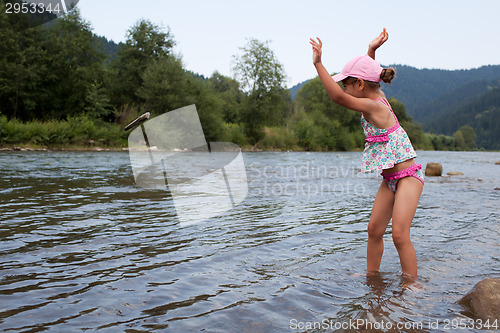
(387, 149)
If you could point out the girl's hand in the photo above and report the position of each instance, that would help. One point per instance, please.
(377, 42)
(316, 45)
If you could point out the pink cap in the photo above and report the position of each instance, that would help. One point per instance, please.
(362, 67)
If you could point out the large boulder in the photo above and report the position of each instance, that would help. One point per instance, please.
(433, 169)
(483, 300)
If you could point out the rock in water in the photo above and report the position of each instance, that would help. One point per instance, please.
(483, 301)
(433, 169)
(455, 173)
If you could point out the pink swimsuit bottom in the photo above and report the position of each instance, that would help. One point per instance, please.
(392, 179)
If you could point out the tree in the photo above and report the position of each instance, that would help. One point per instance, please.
(146, 42)
(167, 86)
(164, 86)
(258, 69)
(20, 70)
(231, 95)
(465, 138)
(75, 71)
(262, 77)
(458, 139)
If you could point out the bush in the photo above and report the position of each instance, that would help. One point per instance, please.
(234, 133)
(305, 133)
(437, 142)
(76, 131)
(278, 138)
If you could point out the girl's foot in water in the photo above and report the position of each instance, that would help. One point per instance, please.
(410, 282)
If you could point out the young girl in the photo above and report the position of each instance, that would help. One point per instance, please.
(387, 149)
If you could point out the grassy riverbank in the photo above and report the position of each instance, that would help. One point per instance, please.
(76, 133)
(83, 133)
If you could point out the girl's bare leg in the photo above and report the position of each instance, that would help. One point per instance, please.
(381, 215)
(405, 206)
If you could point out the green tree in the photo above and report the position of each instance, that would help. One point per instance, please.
(231, 95)
(21, 67)
(439, 142)
(458, 140)
(306, 134)
(167, 86)
(75, 71)
(465, 138)
(164, 86)
(146, 43)
(262, 77)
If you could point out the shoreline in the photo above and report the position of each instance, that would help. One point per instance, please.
(126, 149)
(57, 149)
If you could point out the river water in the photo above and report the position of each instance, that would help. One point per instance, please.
(83, 248)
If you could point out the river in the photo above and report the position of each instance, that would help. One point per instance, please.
(82, 247)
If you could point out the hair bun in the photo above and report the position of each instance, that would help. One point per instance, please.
(388, 74)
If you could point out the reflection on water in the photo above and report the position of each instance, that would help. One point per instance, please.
(83, 248)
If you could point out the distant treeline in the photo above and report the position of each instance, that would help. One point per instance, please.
(60, 85)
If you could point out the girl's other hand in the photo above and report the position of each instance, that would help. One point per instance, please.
(316, 45)
(379, 40)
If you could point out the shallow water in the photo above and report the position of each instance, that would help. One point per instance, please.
(83, 248)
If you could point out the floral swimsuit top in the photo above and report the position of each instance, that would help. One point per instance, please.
(387, 147)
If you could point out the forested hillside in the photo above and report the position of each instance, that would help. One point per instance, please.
(453, 100)
(417, 87)
(443, 101)
(482, 113)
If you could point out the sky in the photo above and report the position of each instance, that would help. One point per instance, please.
(440, 34)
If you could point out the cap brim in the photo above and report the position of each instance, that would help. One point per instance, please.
(339, 77)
